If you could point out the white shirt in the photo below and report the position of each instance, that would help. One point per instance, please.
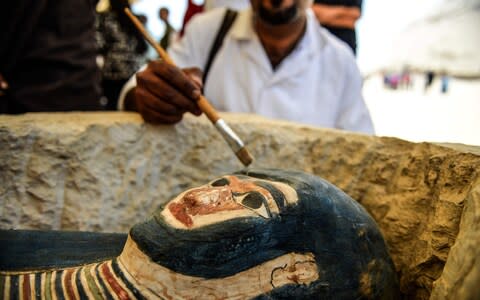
(318, 83)
(233, 4)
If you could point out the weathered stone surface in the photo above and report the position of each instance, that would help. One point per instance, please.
(461, 275)
(107, 171)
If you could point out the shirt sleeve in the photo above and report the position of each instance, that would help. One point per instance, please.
(354, 114)
(130, 84)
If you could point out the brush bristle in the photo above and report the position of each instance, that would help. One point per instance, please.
(244, 156)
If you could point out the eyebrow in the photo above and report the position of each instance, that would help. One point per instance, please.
(220, 182)
(277, 195)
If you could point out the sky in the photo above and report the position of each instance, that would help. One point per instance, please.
(381, 22)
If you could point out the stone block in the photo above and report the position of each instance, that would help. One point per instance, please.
(106, 171)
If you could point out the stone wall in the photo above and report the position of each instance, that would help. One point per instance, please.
(107, 171)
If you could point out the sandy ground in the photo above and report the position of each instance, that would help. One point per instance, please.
(416, 115)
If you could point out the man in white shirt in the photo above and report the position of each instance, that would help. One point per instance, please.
(275, 61)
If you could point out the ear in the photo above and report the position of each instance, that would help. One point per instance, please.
(296, 271)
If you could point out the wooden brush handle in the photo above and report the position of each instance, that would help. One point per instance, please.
(202, 102)
(231, 138)
(160, 51)
(208, 109)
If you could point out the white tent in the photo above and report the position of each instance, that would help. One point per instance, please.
(446, 42)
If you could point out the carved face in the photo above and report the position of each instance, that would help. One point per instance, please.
(228, 198)
(242, 224)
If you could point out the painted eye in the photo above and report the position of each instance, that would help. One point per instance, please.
(220, 182)
(253, 200)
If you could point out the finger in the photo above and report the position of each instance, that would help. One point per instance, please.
(196, 75)
(144, 97)
(155, 116)
(176, 78)
(166, 93)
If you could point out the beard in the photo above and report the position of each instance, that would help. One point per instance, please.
(280, 17)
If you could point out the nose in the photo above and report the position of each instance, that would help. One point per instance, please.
(210, 196)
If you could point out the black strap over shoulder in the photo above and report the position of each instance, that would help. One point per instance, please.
(228, 19)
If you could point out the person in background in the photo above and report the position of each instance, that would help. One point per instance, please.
(47, 56)
(121, 48)
(429, 76)
(339, 17)
(444, 86)
(169, 33)
(405, 79)
(192, 9)
(275, 61)
(143, 19)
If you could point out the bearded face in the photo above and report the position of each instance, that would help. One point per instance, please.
(279, 12)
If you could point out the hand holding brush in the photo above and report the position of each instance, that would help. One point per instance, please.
(164, 93)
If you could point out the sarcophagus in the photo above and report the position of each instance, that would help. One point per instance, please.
(264, 234)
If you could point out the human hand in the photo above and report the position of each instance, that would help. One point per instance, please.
(164, 93)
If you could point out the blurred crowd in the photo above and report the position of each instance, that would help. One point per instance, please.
(405, 80)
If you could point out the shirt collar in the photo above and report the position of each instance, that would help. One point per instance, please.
(242, 28)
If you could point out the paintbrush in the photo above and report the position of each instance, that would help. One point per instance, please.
(228, 134)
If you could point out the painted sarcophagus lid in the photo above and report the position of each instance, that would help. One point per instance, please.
(260, 233)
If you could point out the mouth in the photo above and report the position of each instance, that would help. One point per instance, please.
(278, 15)
(276, 3)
